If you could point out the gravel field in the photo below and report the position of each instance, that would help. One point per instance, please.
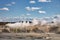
(11, 36)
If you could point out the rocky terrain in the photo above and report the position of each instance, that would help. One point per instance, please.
(36, 32)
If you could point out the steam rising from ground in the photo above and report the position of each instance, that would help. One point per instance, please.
(55, 20)
(22, 25)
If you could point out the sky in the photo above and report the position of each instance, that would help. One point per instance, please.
(28, 8)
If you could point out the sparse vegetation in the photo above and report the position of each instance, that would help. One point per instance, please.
(36, 28)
